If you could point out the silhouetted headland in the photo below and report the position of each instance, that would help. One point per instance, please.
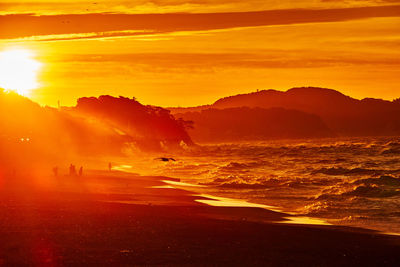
(341, 114)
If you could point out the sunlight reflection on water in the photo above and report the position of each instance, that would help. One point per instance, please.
(163, 187)
(122, 168)
(181, 184)
(229, 202)
(305, 220)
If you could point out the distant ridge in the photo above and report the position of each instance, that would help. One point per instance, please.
(298, 94)
(343, 115)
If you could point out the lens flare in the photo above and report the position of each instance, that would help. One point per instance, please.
(18, 71)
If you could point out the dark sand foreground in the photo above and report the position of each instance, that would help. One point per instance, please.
(113, 219)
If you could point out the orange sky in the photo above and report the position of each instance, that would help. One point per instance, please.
(208, 50)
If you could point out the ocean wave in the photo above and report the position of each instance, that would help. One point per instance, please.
(331, 161)
(352, 206)
(238, 166)
(313, 182)
(353, 218)
(241, 182)
(242, 185)
(318, 208)
(348, 172)
(372, 191)
(248, 184)
(389, 151)
(215, 182)
(392, 147)
(384, 180)
(350, 179)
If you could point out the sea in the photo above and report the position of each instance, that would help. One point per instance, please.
(343, 181)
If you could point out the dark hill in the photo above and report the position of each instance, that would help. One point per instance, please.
(104, 126)
(344, 115)
(245, 124)
(31, 134)
(149, 126)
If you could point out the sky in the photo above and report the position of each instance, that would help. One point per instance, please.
(192, 52)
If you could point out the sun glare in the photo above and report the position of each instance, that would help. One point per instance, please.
(18, 71)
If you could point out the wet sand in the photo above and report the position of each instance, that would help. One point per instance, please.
(115, 218)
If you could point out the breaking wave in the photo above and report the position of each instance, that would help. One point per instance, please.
(349, 180)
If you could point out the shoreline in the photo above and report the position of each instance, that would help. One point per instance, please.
(83, 224)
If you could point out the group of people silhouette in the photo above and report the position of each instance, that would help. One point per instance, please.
(72, 171)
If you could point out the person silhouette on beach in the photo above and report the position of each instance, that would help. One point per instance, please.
(109, 166)
(72, 170)
(55, 171)
(80, 171)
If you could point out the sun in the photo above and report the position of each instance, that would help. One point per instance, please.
(18, 71)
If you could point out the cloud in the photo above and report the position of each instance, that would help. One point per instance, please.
(100, 25)
(177, 62)
(52, 7)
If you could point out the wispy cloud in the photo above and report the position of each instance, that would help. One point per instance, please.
(52, 7)
(105, 25)
(173, 62)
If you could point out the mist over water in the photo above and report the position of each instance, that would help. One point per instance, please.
(352, 181)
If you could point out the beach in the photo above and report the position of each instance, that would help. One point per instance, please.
(199, 133)
(115, 218)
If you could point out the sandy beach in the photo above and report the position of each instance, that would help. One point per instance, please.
(115, 218)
